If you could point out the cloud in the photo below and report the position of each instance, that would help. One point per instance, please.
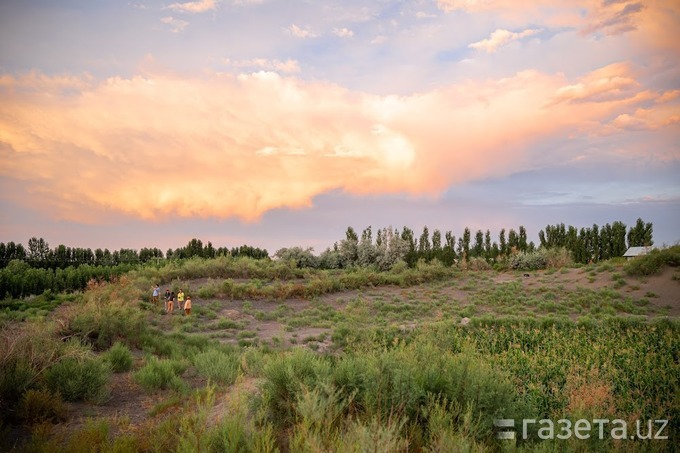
(647, 119)
(194, 7)
(343, 32)
(288, 66)
(176, 25)
(221, 145)
(301, 32)
(465, 5)
(610, 83)
(613, 18)
(655, 20)
(424, 15)
(500, 38)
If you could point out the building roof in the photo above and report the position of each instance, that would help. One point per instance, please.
(638, 251)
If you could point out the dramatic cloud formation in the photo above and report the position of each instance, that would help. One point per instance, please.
(210, 113)
(221, 145)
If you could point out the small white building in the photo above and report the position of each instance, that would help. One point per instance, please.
(632, 252)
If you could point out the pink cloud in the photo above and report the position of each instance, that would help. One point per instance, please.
(194, 7)
(500, 38)
(221, 145)
(654, 21)
(299, 32)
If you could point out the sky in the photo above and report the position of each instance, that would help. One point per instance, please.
(280, 123)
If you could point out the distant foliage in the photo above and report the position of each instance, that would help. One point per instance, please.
(18, 279)
(596, 243)
(301, 257)
(32, 271)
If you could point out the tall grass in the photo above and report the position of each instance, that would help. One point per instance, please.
(79, 380)
(318, 396)
(119, 357)
(219, 366)
(161, 374)
(27, 352)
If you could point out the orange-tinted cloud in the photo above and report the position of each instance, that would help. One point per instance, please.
(655, 20)
(221, 145)
(500, 38)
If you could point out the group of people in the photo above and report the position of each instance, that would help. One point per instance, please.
(170, 299)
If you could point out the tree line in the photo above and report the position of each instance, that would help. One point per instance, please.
(597, 243)
(36, 268)
(390, 245)
(38, 254)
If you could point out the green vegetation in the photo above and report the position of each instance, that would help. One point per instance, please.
(33, 270)
(654, 261)
(119, 357)
(159, 374)
(281, 358)
(79, 380)
(221, 366)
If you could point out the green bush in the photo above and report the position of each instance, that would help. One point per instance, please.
(16, 378)
(396, 381)
(218, 366)
(529, 261)
(208, 291)
(654, 261)
(120, 357)
(39, 406)
(543, 258)
(79, 380)
(160, 374)
(558, 257)
(104, 325)
(477, 264)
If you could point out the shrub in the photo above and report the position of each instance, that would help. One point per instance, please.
(558, 258)
(94, 436)
(208, 291)
(654, 261)
(219, 366)
(79, 380)
(26, 351)
(120, 357)
(39, 406)
(298, 256)
(399, 267)
(529, 261)
(16, 378)
(285, 376)
(104, 325)
(477, 264)
(160, 374)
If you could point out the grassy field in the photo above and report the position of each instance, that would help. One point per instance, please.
(276, 358)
